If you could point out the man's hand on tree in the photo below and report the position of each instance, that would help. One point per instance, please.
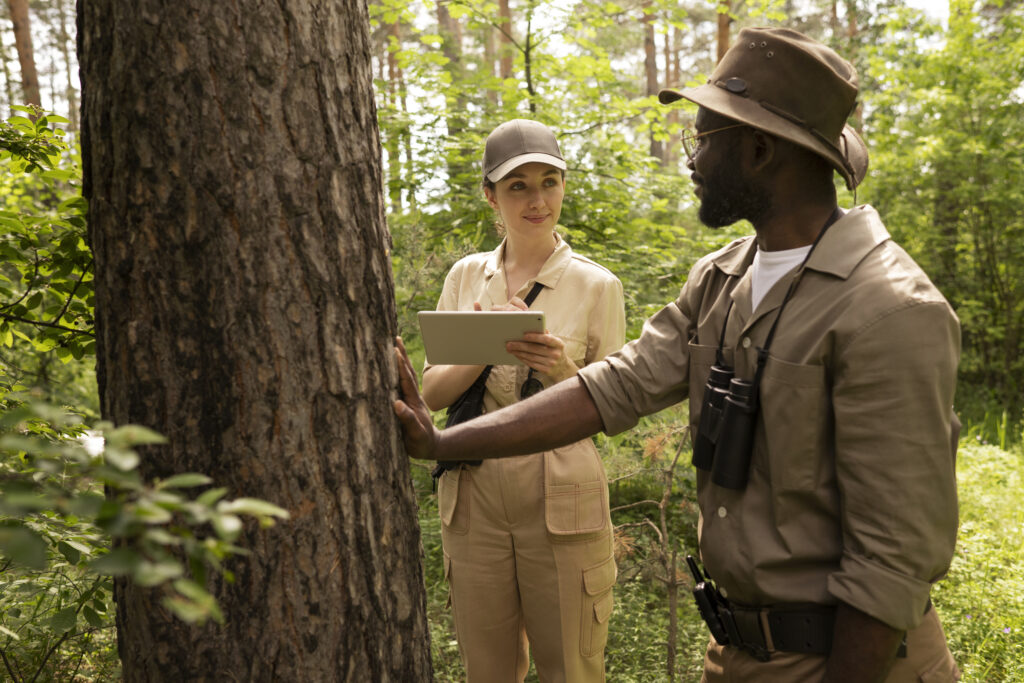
(420, 435)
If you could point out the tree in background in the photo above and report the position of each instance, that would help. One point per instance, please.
(946, 122)
(26, 55)
(245, 310)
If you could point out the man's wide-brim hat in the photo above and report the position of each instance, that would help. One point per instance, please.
(786, 84)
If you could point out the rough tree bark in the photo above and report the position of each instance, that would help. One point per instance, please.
(245, 309)
(26, 55)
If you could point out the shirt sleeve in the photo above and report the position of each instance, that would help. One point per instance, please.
(606, 328)
(893, 395)
(646, 375)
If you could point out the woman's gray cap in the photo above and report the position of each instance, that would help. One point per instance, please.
(784, 83)
(518, 142)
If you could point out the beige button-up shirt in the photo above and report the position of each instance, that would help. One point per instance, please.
(852, 493)
(581, 300)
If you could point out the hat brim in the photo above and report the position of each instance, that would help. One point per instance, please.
(517, 161)
(753, 114)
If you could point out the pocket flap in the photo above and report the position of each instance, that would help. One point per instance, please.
(599, 578)
(603, 608)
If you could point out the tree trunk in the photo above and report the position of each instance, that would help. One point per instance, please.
(506, 48)
(26, 56)
(724, 7)
(245, 309)
(64, 40)
(487, 39)
(651, 71)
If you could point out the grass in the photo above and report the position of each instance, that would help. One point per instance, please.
(981, 601)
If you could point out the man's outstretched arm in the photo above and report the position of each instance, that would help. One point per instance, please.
(557, 416)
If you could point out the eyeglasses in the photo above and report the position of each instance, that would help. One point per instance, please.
(692, 139)
(531, 386)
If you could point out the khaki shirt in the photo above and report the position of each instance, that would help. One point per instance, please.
(581, 300)
(852, 493)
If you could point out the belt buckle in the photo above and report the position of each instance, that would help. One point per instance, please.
(759, 653)
(751, 630)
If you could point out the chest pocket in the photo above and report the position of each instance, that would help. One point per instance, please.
(797, 421)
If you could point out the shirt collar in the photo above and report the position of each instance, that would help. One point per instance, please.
(841, 248)
(550, 273)
(848, 241)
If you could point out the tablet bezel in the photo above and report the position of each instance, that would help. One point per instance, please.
(475, 337)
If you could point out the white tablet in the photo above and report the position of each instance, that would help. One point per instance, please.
(475, 337)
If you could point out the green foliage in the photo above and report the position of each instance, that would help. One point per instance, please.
(981, 602)
(46, 288)
(62, 539)
(946, 127)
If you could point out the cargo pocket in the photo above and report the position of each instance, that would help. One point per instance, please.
(575, 491)
(454, 491)
(597, 607)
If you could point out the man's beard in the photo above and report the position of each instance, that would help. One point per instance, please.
(727, 197)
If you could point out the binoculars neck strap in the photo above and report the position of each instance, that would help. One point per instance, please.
(762, 352)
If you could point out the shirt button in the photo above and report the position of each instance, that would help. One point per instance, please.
(746, 342)
(722, 512)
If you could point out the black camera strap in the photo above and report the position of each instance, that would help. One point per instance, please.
(446, 465)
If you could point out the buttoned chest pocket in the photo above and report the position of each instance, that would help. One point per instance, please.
(797, 420)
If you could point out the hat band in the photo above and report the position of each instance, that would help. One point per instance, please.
(794, 119)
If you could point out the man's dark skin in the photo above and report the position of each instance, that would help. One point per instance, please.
(787, 193)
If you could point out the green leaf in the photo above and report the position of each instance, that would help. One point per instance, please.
(252, 506)
(72, 555)
(227, 526)
(123, 460)
(134, 435)
(9, 632)
(64, 620)
(93, 618)
(117, 562)
(155, 573)
(184, 481)
(208, 498)
(23, 545)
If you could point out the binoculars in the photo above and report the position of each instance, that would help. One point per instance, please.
(725, 435)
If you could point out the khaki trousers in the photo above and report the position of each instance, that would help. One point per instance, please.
(514, 585)
(928, 660)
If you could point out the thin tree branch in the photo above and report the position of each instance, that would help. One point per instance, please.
(73, 292)
(8, 665)
(31, 285)
(40, 323)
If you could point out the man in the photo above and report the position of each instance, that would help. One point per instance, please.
(825, 523)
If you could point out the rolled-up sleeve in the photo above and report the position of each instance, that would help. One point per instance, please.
(646, 375)
(893, 394)
(606, 327)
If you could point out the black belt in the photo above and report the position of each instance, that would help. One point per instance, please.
(802, 629)
(760, 631)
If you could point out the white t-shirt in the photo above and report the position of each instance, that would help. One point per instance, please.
(769, 266)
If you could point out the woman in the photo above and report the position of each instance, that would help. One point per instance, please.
(527, 540)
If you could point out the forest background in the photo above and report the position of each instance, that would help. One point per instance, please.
(942, 110)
